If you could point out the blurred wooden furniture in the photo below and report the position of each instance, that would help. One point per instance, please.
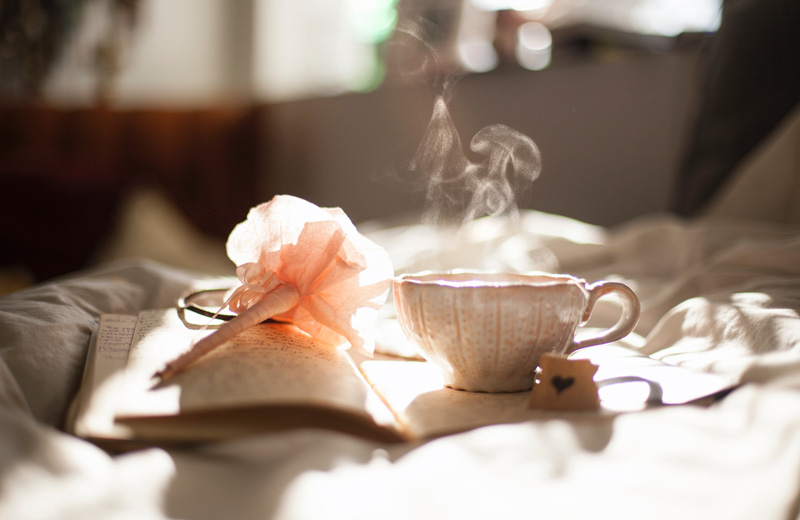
(64, 173)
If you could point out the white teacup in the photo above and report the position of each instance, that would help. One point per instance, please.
(487, 330)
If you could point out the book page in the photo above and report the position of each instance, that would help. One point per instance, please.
(415, 391)
(93, 409)
(268, 365)
(630, 380)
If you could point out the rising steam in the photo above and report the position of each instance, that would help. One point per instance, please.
(459, 189)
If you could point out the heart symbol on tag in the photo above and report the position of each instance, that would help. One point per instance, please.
(562, 383)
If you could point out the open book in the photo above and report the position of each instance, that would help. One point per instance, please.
(274, 377)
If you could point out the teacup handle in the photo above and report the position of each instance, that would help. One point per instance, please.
(627, 321)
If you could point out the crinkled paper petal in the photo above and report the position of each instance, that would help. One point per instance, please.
(343, 277)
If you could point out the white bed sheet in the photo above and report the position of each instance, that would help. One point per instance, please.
(718, 294)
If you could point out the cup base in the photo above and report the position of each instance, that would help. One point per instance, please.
(492, 386)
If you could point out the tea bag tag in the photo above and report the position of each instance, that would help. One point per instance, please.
(565, 384)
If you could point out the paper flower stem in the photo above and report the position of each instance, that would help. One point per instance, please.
(280, 300)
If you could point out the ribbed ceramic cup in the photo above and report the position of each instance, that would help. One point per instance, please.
(486, 331)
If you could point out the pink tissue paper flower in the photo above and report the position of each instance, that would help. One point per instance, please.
(341, 277)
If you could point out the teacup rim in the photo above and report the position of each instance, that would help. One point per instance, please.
(433, 277)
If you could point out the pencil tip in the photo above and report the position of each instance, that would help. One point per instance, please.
(162, 375)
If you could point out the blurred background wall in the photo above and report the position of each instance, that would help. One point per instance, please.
(211, 106)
